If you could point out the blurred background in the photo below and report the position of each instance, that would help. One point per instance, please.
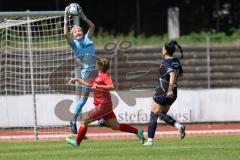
(144, 17)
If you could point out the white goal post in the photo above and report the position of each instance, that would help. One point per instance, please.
(35, 59)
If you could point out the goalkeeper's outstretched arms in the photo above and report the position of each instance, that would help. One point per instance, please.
(76, 31)
(89, 22)
(65, 28)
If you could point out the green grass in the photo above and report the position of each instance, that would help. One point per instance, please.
(198, 148)
(101, 38)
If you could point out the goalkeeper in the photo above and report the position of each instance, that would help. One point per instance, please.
(84, 53)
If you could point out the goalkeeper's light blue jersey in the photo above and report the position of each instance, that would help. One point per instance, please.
(84, 52)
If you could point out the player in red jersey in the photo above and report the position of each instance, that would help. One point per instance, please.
(101, 85)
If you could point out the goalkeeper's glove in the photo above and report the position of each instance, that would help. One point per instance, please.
(66, 15)
(82, 15)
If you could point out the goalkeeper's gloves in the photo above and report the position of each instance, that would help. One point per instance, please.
(82, 15)
(66, 15)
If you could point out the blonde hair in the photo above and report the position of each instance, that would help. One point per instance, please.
(75, 27)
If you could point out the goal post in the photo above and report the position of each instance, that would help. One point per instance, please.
(35, 59)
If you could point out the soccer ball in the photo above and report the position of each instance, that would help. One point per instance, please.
(74, 9)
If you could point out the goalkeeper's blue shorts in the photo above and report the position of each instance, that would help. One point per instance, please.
(87, 75)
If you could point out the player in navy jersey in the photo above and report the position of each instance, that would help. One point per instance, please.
(166, 91)
(84, 53)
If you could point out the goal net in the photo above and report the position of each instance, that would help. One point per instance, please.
(35, 62)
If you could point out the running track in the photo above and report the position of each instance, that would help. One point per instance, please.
(103, 133)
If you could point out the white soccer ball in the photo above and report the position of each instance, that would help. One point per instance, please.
(74, 9)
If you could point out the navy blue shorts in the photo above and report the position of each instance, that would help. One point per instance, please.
(163, 100)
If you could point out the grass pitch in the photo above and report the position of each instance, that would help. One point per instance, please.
(197, 148)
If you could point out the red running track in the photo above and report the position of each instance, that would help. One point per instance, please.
(103, 133)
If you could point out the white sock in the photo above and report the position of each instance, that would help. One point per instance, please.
(150, 139)
(177, 125)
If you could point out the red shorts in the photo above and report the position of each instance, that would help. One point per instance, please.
(102, 111)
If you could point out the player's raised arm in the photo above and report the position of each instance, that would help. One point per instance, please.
(65, 28)
(89, 22)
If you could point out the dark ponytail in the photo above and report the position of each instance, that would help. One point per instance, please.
(170, 47)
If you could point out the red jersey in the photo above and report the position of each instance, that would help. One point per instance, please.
(102, 95)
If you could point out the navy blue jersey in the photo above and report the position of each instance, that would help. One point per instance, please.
(170, 65)
(167, 66)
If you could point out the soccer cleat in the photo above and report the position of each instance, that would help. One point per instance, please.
(72, 141)
(73, 127)
(148, 143)
(140, 135)
(182, 132)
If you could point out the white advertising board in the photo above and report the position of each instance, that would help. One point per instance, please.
(215, 105)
